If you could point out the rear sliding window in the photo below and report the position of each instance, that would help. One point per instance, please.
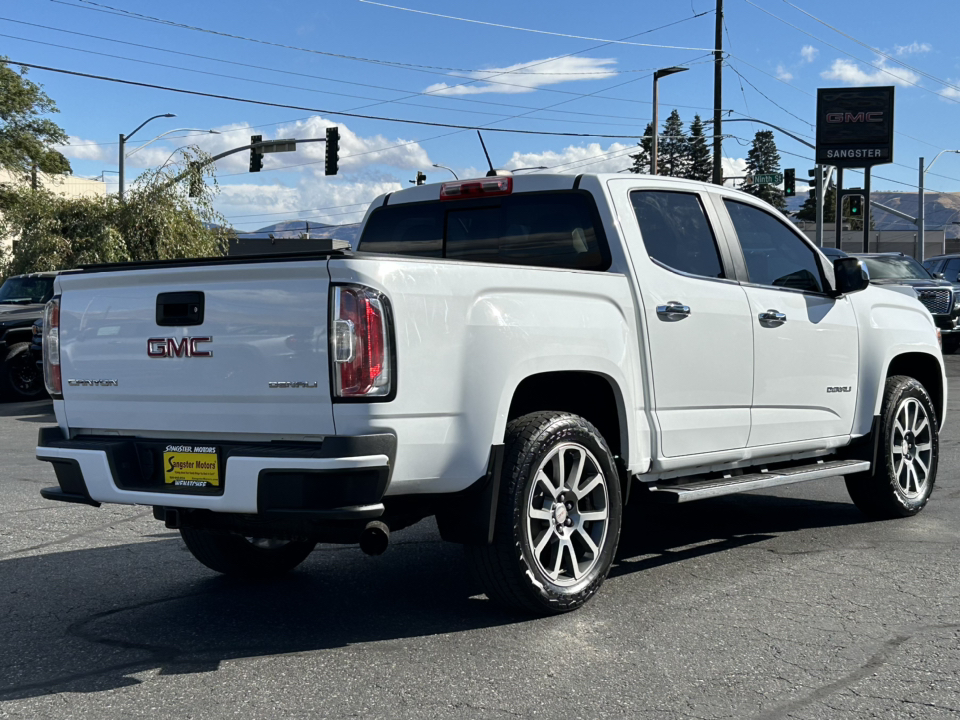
(557, 229)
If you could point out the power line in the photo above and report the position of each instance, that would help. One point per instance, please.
(884, 70)
(432, 70)
(531, 30)
(299, 74)
(873, 49)
(340, 113)
(768, 98)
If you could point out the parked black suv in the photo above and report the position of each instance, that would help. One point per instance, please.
(940, 296)
(22, 298)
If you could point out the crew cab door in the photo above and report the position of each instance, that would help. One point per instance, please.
(698, 326)
(805, 357)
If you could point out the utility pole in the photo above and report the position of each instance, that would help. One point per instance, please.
(717, 97)
(921, 250)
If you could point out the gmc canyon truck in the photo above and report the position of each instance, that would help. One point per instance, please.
(517, 356)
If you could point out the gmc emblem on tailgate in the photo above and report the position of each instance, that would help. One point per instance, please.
(171, 347)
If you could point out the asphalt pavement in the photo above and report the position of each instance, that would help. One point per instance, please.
(782, 603)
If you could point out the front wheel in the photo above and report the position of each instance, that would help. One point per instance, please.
(250, 558)
(907, 453)
(558, 516)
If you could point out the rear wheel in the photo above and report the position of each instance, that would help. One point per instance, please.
(238, 556)
(558, 516)
(20, 377)
(907, 453)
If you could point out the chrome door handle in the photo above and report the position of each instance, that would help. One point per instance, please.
(673, 310)
(773, 316)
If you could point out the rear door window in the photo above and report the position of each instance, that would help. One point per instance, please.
(556, 229)
(676, 232)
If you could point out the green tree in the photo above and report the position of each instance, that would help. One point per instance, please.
(764, 158)
(700, 165)
(158, 220)
(641, 161)
(27, 139)
(673, 151)
(808, 211)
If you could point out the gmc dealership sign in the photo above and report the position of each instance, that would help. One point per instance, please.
(855, 126)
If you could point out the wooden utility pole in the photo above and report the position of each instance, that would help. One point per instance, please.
(718, 97)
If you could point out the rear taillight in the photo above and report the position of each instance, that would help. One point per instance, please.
(51, 348)
(360, 343)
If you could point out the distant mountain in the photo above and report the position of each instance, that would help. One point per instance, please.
(295, 228)
(941, 209)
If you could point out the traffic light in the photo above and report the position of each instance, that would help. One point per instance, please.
(790, 183)
(856, 206)
(332, 157)
(256, 154)
(421, 178)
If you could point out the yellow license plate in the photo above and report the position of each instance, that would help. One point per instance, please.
(188, 466)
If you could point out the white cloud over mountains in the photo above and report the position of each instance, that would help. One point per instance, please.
(528, 76)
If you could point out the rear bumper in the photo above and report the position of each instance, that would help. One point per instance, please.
(339, 478)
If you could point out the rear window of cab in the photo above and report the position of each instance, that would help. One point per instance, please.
(550, 229)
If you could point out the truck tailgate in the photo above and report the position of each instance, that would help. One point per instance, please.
(265, 329)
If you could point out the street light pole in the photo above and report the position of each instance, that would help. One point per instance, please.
(123, 142)
(656, 76)
(921, 230)
(444, 167)
(163, 134)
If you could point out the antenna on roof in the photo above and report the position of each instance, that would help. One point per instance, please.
(492, 172)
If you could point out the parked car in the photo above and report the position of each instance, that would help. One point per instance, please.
(22, 299)
(518, 356)
(833, 253)
(940, 296)
(36, 344)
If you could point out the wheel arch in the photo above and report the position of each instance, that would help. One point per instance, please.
(927, 369)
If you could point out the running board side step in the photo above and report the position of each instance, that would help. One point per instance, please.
(700, 489)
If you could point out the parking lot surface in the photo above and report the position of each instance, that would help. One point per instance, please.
(776, 604)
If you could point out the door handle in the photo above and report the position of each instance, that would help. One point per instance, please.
(673, 310)
(773, 317)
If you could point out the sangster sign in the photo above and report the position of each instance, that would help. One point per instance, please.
(855, 126)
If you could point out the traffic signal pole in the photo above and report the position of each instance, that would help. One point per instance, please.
(717, 98)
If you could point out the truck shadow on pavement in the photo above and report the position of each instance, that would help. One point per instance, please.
(90, 620)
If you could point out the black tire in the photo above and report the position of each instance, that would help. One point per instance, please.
(951, 343)
(895, 488)
(241, 557)
(20, 378)
(511, 571)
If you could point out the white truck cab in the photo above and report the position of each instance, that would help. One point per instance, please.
(518, 356)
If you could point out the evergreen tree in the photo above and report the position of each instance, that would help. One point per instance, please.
(673, 151)
(641, 161)
(763, 158)
(808, 211)
(700, 161)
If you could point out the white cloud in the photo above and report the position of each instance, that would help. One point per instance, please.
(850, 73)
(551, 71)
(733, 167)
(79, 149)
(912, 48)
(591, 158)
(950, 93)
(784, 74)
(809, 53)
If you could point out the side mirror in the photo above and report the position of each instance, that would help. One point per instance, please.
(851, 275)
(958, 278)
(939, 276)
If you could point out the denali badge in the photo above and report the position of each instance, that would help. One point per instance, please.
(839, 388)
(296, 384)
(171, 347)
(92, 383)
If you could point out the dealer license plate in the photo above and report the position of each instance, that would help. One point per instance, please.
(187, 466)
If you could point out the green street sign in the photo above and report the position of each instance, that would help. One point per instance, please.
(768, 179)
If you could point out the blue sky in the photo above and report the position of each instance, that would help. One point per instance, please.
(417, 66)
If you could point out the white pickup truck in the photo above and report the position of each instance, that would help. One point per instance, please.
(517, 356)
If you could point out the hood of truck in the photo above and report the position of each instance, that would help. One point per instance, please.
(255, 367)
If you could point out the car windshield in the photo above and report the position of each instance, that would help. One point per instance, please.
(895, 268)
(26, 290)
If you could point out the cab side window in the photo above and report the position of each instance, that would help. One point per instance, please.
(951, 269)
(774, 254)
(676, 232)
